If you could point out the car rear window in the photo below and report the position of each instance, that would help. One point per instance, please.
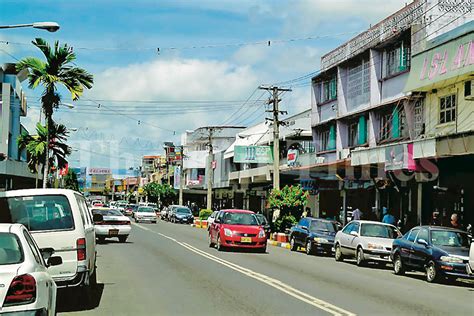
(106, 212)
(146, 209)
(10, 249)
(377, 230)
(38, 212)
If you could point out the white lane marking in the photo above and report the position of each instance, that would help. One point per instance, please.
(277, 284)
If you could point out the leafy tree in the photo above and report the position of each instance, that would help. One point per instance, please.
(70, 181)
(57, 70)
(35, 146)
(290, 202)
(159, 192)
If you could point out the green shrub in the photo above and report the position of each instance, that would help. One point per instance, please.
(285, 222)
(204, 214)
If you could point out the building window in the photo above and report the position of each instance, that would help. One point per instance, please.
(419, 127)
(397, 59)
(358, 85)
(385, 126)
(447, 109)
(353, 134)
(324, 138)
(328, 90)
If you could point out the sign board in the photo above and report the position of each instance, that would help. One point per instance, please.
(253, 154)
(399, 157)
(177, 177)
(100, 171)
(292, 157)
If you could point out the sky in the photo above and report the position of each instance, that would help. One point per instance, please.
(165, 66)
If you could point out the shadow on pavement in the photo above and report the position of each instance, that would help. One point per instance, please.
(244, 250)
(113, 241)
(461, 283)
(68, 300)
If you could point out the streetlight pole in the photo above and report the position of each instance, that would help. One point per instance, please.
(48, 26)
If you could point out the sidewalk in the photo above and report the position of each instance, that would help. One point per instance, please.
(278, 244)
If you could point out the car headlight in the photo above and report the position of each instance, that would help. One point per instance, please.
(375, 246)
(320, 240)
(227, 232)
(451, 259)
(261, 234)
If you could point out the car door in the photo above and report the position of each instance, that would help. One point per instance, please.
(408, 245)
(419, 252)
(298, 231)
(354, 240)
(89, 231)
(344, 239)
(214, 231)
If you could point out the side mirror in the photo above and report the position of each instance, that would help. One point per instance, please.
(217, 221)
(47, 253)
(54, 261)
(97, 218)
(422, 242)
(354, 233)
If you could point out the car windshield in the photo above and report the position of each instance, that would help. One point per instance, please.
(321, 225)
(262, 219)
(146, 209)
(240, 219)
(183, 210)
(378, 230)
(449, 238)
(37, 213)
(10, 249)
(108, 212)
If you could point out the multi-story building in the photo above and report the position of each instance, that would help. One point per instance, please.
(14, 172)
(363, 118)
(195, 148)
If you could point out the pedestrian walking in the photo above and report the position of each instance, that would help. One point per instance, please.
(388, 218)
(356, 214)
(454, 223)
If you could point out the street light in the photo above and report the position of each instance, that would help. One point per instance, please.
(48, 26)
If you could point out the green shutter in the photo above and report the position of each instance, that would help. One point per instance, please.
(332, 138)
(333, 88)
(362, 130)
(403, 58)
(395, 123)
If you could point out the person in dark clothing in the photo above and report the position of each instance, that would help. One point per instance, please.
(435, 221)
(454, 223)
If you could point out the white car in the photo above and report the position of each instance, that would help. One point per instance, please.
(113, 225)
(366, 241)
(211, 219)
(470, 264)
(145, 214)
(58, 219)
(26, 287)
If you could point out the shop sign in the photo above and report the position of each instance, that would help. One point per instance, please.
(399, 157)
(309, 185)
(292, 157)
(450, 60)
(100, 171)
(253, 154)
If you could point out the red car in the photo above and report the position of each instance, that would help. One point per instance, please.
(237, 229)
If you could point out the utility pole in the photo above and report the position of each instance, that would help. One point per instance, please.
(210, 173)
(276, 131)
(181, 176)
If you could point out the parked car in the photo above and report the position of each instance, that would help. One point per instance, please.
(438, 251)
(470, 264)
(97, 203)
(265, 224)
(113, 225)
(211, 219)
(27, 288)
(366, 241)
(181, 214)
(145, 214)
(58, 219)
(237, 229)
(315, 234)
(128, 210)
(163, 213)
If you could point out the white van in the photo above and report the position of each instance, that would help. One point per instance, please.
(58, 219)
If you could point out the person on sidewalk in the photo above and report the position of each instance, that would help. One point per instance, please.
(435, 219)
(356, 215)
(454, 223)
(388, 218)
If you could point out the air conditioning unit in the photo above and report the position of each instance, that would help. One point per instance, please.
(469, 90)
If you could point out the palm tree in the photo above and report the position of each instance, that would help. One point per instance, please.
(56, 71)
(36, 145)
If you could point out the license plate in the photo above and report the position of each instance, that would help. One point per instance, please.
(113, 232)
(245, 239)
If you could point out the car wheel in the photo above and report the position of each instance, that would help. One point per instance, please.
(122, 238)
(263, 250)
(211, 244)
(219, 245)
(293, 246)
(360, 257)
(309, 247)
(432, 274)
(338, 253)
(154, 222)
(398, 267)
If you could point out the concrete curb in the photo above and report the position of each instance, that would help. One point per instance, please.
(278, 244)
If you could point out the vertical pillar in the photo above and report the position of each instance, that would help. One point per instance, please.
(377, 203)
(344, 206)
(418, 204)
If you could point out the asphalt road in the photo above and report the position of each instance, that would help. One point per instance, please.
(168, 269)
